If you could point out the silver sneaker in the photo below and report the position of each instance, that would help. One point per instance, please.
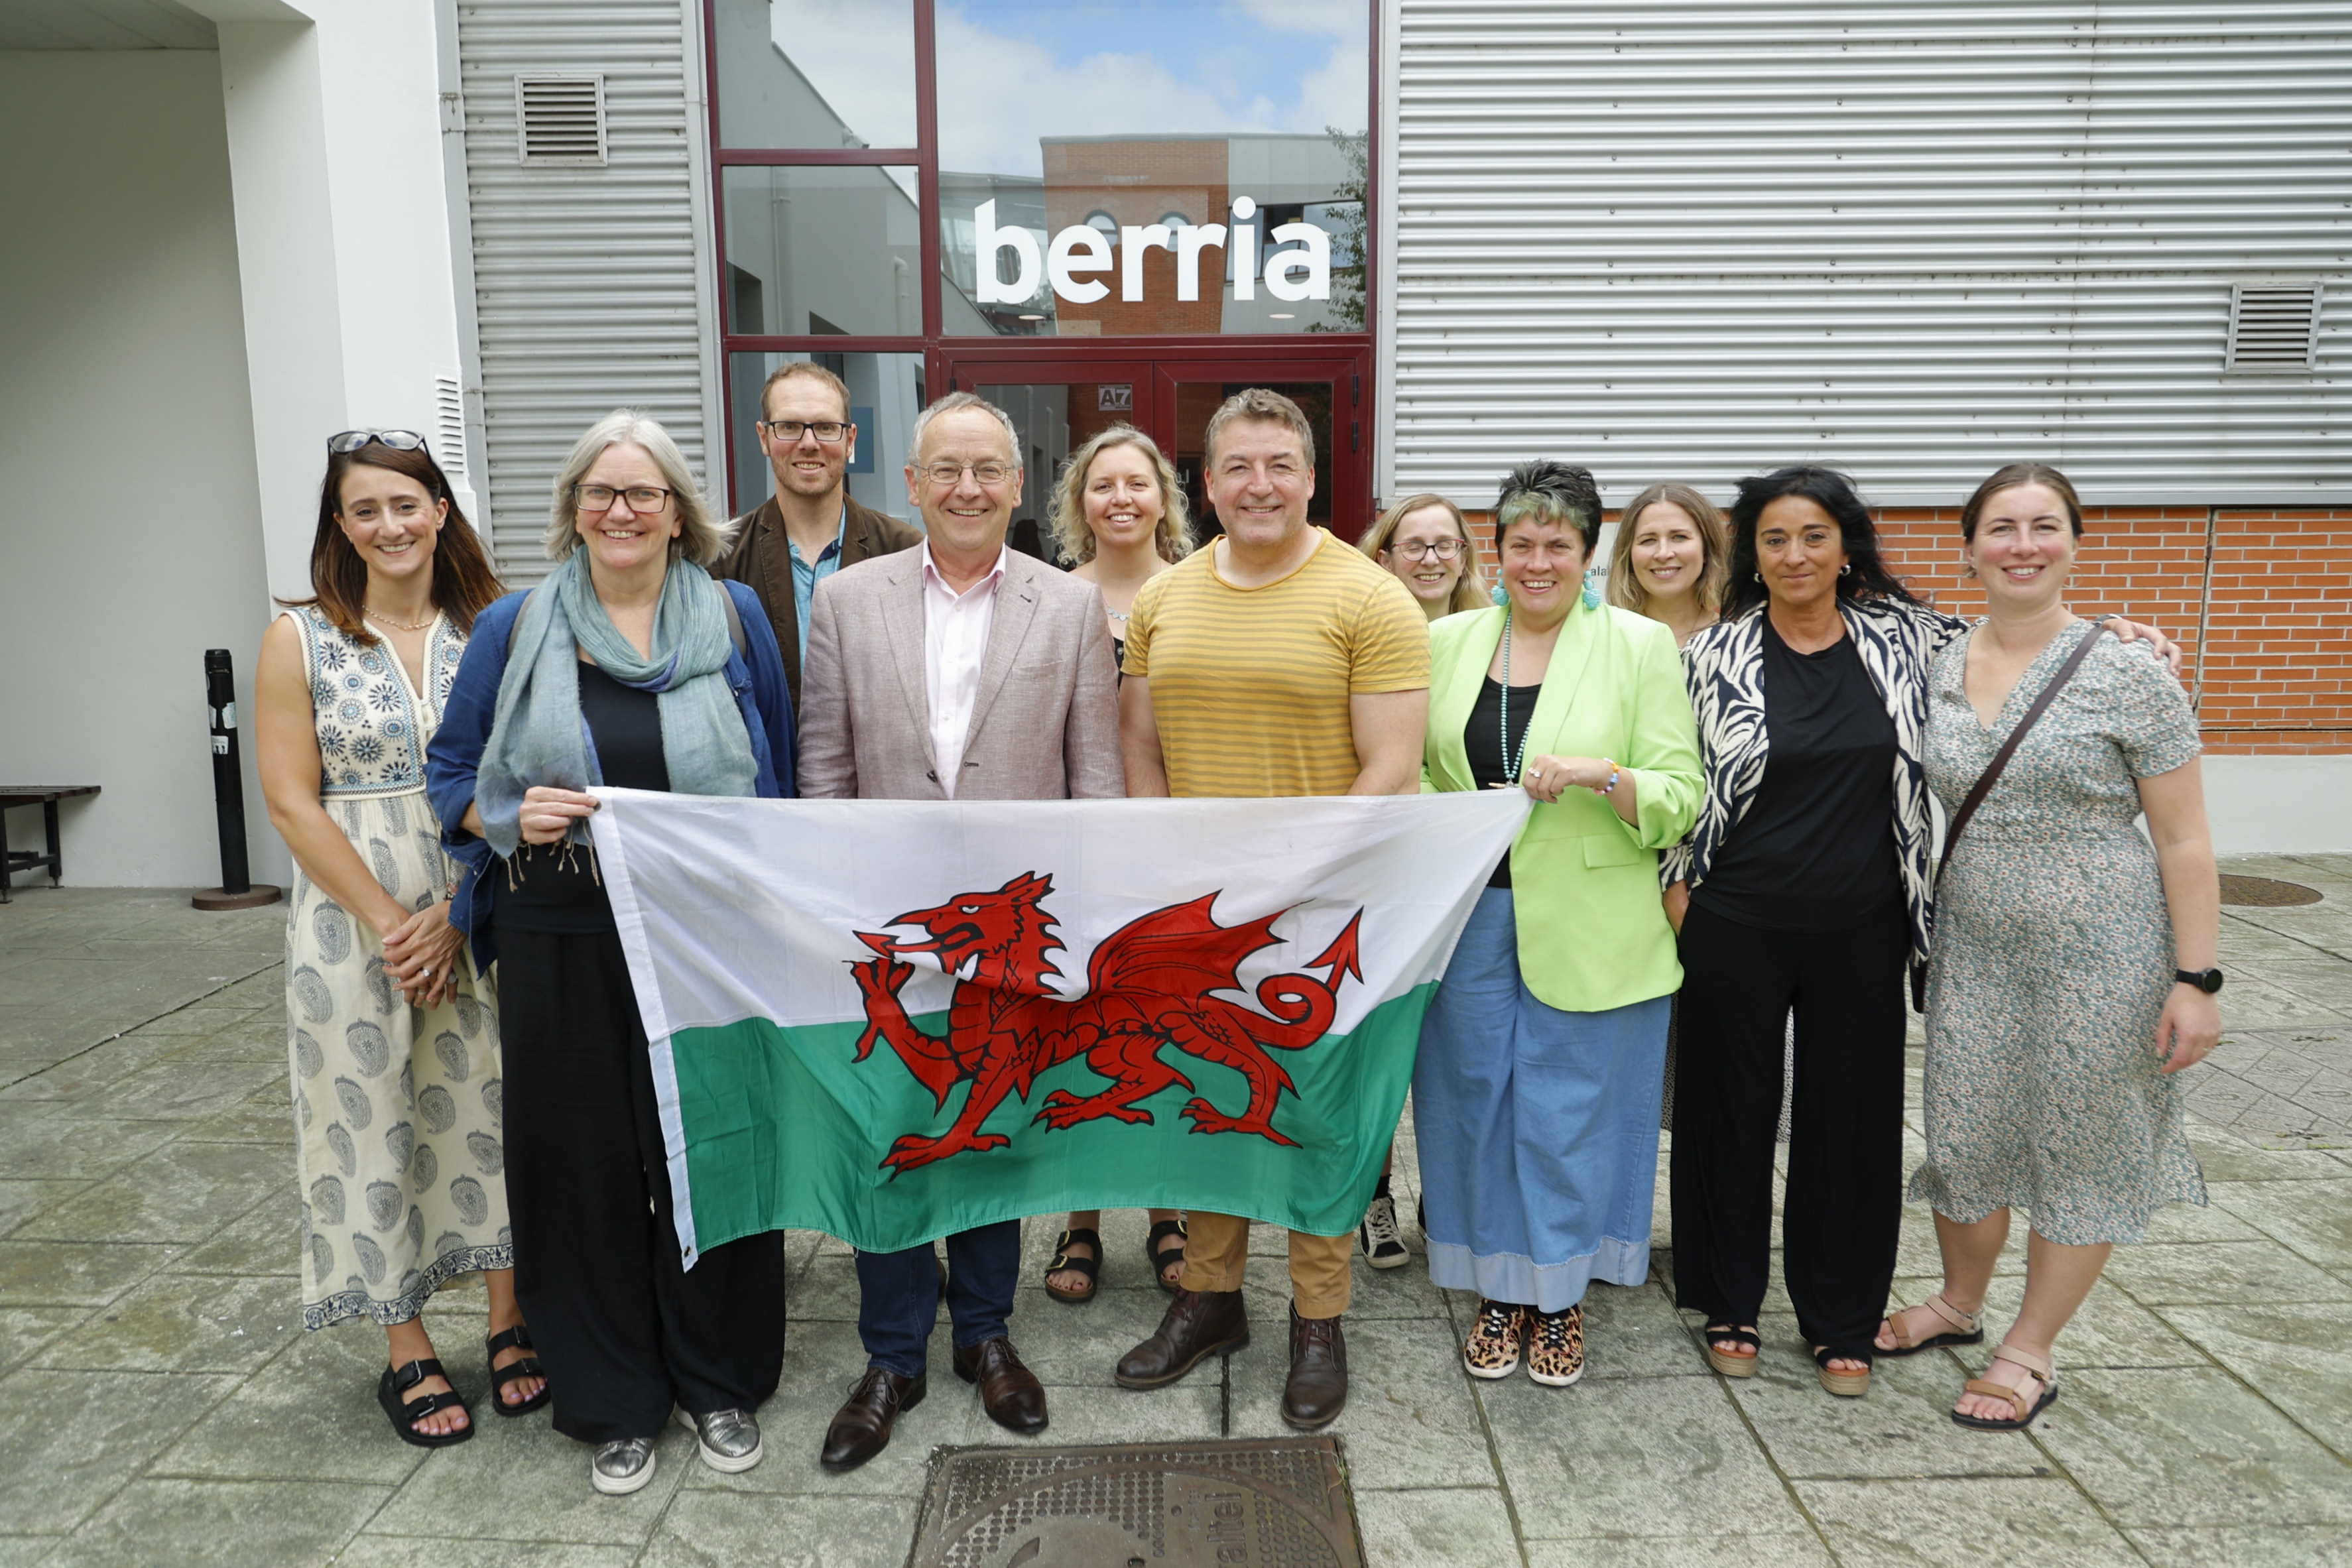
(1383, 1244)
(623, 1466)
(731, 1440)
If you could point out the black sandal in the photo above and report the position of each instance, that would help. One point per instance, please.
(1723, 1361)
(397, 1381)
(517, 1338)
(1162, 1256)
(1844, 1385)
(1063, 1261)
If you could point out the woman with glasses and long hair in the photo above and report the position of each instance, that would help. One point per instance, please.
(1535, 1091)
(1120, 512)
(393, 1030)
(1425, 541)
(629, 665)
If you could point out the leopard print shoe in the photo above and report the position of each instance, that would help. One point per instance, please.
(1492, 1348)
(1556, 1347)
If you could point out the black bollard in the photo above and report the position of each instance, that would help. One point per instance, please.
(236, 890)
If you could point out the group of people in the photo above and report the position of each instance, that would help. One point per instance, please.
(1731, 744)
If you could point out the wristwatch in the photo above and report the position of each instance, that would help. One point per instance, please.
(2206, 980)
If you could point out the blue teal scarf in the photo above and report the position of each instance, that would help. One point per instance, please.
(537, 736)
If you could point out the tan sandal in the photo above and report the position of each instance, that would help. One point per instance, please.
(1968, 1328)
(2022, 1410)
(1844, 1385)
(1723, 1361)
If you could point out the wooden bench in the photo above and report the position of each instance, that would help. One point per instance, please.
(45, 796)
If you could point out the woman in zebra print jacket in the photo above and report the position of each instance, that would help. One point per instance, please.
(1803, 887)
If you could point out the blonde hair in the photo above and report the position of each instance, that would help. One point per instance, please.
(1625, 590)
(1470, 590)
(702, 539)
(1173, 539)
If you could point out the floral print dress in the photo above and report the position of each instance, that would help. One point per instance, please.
(396, 1108)
(2054, 954)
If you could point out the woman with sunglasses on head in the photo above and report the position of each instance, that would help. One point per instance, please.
(397, 1142)
(1119, 513)
(631, 666)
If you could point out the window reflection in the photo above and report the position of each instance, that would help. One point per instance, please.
(1152, 166)
(822, 251)
(886, 392)
(815, 73)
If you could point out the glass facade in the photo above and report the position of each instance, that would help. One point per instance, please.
(886, 392)
(822, 252)
(816, 74)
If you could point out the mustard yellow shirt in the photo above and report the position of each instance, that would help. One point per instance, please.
(1249, 686)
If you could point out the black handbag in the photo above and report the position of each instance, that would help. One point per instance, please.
(1983, 787)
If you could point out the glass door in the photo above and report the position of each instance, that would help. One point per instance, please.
(1056, 406)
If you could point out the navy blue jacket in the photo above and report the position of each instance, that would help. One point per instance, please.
(756, 675)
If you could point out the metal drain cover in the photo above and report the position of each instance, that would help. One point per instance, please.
(2266, 891)
(1273, 1504)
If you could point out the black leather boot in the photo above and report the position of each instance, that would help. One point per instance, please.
(1318, 1389)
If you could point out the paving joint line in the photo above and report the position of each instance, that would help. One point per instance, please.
(143, 1023)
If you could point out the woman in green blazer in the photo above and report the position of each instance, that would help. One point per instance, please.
(1536, 1092)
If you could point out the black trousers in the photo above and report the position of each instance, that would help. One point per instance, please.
(625, 1331)
(1844, 1203)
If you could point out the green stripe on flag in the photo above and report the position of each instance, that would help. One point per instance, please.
(785, 1129)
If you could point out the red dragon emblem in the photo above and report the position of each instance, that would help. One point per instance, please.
(1150, 985)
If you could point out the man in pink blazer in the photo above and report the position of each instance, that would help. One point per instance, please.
(958, 670)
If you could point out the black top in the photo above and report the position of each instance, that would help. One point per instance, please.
(1816, 849)
(1482, 738)
(554, 887)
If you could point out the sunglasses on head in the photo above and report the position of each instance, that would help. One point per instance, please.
(353, 440)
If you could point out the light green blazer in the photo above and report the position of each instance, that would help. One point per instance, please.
(1593, 933)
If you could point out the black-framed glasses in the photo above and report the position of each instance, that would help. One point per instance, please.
(945, 474)
(642, 498)
(826, 430)
(1421, 550)
(352, 441)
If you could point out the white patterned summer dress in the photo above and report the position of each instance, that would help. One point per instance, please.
(396, 1108)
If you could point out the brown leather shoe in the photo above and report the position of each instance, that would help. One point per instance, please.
(1009, 1390)
(1198, 1324)
(1318, 1389)
(861, 1429)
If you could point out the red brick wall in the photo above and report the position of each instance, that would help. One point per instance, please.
(2273, 672)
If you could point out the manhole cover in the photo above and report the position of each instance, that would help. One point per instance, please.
(2263, 890)
(1275, 1504)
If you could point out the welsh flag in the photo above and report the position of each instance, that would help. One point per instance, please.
(891, 1021)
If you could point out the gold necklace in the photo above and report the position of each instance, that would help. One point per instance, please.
(403, 625)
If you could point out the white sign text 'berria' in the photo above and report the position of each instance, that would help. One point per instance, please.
(1301, 270)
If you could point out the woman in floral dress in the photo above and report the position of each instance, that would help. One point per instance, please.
(2074, 964)
(394, 1038)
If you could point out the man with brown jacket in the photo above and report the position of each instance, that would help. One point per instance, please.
(809, 529)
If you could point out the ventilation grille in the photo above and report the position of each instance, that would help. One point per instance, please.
(561, 119)
(2274, 327)
(449, 425)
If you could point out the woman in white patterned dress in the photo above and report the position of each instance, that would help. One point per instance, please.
(399, 1156)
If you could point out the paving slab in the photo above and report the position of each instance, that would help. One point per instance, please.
(1784, 1551)
(729, 1529)
(2290, 1356)
(2247, 1546)
(69, 1440)
(237, 1524)
(2020, 1524)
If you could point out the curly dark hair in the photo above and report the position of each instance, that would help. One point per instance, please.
(1559, 493)
(1834, 493)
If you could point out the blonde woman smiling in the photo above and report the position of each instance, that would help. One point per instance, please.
(1672, 561)
(1425, 541)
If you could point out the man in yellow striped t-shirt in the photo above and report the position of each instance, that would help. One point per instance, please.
(1275, 662)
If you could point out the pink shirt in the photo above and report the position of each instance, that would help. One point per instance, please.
(955, 645)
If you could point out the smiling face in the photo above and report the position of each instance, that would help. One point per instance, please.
(1798, 549)
(1543, 568)
(1122, 498)
(2024, 547)
(624, 539)
(1260, 483)
(1668, 554)
(806, 465)
(966, 519)
(1427, 578)
(392, 520)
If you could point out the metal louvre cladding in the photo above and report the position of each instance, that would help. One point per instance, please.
(583, 275)
(1690, 241)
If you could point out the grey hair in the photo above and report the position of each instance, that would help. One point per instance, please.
(952, 402)
(703, 538)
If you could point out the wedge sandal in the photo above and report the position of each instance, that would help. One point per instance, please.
(1724, 1362)
(1162, 1256)
(1844, 1385)
(2022, 1411)
(526, 1366)
(1064, 1261)
(1967, 1328)
(397, 1381)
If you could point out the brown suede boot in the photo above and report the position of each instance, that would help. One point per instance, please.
(1198, 1324)
(1318, 1389)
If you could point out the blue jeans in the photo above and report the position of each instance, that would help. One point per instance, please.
(899, 1295)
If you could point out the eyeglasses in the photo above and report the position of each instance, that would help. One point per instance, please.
(1421, 550)
(946, 474)
(826, 430)
(353, 440)
(641, 497)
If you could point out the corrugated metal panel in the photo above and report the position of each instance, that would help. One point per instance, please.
(1689, 240)
(585, 277)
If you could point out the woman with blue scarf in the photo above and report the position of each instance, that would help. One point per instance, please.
(627, 667)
